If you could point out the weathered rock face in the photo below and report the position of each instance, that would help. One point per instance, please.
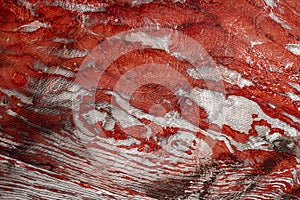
(150, 99)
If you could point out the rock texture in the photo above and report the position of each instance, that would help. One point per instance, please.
(143, 99)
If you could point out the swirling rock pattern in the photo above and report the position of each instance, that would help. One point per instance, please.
(143, 99)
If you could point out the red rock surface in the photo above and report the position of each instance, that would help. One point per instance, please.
(150, 99)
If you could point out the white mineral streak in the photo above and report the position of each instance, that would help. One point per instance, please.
(205, 72)
(124, 119)
(288, 65)
(183, 48)
(218, 73)
(279, 21)
(180, 1)
(7, 142)
(270, 3)
(253, 43)
(294, 48)
(126, 142)
(20, 96)
(149, 40)
(294, 85)
(53, 70)
(295, 119)
(71, 53)
(227, 140)
(31, 27)
(293, 96)
(63, 40)
(140, 2)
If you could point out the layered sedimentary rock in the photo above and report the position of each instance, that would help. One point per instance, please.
(150, 99)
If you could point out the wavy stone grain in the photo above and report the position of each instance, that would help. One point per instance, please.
(244, 144)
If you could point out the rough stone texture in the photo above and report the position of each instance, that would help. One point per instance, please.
(150, 99)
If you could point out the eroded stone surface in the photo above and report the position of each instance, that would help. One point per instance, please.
(150, 100)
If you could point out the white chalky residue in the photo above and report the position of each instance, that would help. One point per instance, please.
(218, 73)
(205, 149)
(125, 120)
(31, 27)
(270, 3)
(294, 48)
(279, 21)
(87, 8)
(95, 7)
(262, 130)
(127, 142)
(235, 111)
(244, 82)
(63, 40)
(253, 43)
(94, 116)
(237, 114)
(149, 40)
(205, 72)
